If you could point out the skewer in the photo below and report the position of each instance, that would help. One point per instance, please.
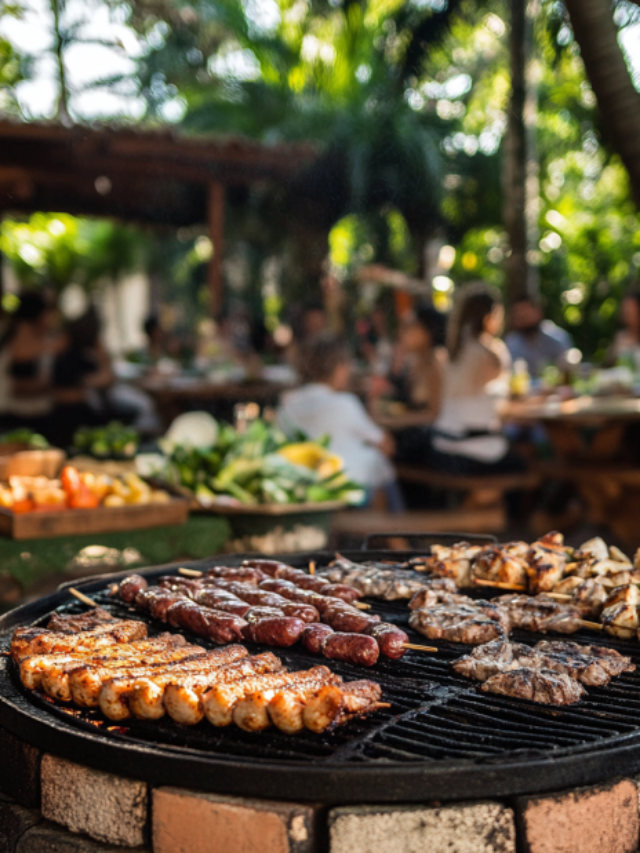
(592, 626)
(82, 597)
(190, 573)
(361, 605)
(312, 567)
(419, 648)
(560, 596)
(514, 587)
(382, 705)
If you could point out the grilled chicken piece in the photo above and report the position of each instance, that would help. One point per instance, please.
(593, 549)
(587, 594)
(40, 641)
(626, 594)
(219, 702)
(115, 693)
(334, 705)
(453, 562)
(86, 682)
(286, 708)
(150, 698)
(540, 614)
(457, 623)
(251, 713)
(536, 685)
(79, 621)
(548, 558)
(55, 676)
(621, 620)
(429, 597)
(503, 563)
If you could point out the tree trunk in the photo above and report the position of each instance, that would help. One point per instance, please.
(62, 109)
(618, 100)
(519, 279)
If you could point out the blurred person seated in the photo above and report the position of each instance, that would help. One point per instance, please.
(323, 406)
(27, 350)
(533, 339)
(467, 435)
(82, 375)
(375, 343)
(155, 339)
(626, 345)
(419, 363)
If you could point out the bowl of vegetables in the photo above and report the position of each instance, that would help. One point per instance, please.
(113, 441)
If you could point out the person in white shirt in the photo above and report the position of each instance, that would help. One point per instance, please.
(467, 435)
(323, 406)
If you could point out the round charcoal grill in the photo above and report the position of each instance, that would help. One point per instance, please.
(441, 739)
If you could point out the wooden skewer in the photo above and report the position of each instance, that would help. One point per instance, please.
(190, 573)
(592, 626)
(82, 597)
(419, 648)
(514, 587)
(361, 605)
(312, 567)
(382, 705)
(561, 596)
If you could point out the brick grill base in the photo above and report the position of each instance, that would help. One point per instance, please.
(50, 805)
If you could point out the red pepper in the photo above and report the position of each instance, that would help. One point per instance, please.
(24, 505)
(83, 498)
(71, 481)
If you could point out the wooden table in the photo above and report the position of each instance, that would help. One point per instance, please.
(181, 394)
(588, 439)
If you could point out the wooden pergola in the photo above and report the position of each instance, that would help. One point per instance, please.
(157, 177)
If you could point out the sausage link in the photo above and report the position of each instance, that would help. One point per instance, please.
(314, 636)
(220, 599)
(245, 574)
(130, 587)
(352, 648)
(343, 617)
(215, 625)
(390, 638)
(269, 567)
(283, 631)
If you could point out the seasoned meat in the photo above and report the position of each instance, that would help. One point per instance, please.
(494, 657)
(458, 623)
(79, 621)
(536, 685)
(336, 704)
(40, 641)
(621, 620)
(540, 614)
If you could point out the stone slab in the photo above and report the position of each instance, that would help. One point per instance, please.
(47, 838)
(19, 770)
(15, 820)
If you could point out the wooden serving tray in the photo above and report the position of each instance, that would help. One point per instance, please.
(46, 524)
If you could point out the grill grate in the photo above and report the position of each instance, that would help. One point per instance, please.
(437, 719)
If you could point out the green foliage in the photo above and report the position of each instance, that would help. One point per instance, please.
(55, 249)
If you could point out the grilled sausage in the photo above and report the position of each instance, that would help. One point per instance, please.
(343, 617)
(390, 639)
(215, 625)
(313, 637)
(244, 574)
(219, 702)
(39, 641)
(220, 599)
(289, 590)
(130, 586)
(316, 584)
(269, 567)
(340, 590)
(285, 709)
(275, 631)
(352, 648)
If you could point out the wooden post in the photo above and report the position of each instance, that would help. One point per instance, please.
(215, 215)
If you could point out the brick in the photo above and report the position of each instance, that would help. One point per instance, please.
(48, 838)
(106, 807)
(20, 776)
(602, 819)
(191, 822)
(15, 820)
(482, 827)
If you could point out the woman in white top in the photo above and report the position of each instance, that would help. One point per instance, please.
(323, 406)
(467, 435)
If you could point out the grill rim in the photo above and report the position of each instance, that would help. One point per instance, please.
(334, 784)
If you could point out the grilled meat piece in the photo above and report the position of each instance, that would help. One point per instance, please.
(587, 594)
(269, 567)
(286, 708)
(494, 657)
(180, 696)
(243, 574)
(457, 623)
(621, 620)
(130, 586)
(352, 648)
(429, 597)
(220, 700)
(56, 669)
(281, 631)
(220, 599)
(540, 614)
(343, 617)
(334, 705)
(548, 558)
(313, 637)
(626, 594)
(114, 694)
(390, 638)
(536, 685)
(592, 665)
(503, 563)
(453, 562)
(40, 641)
(79, 621)
(86, 681)
(251, 712)
(215, 625)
